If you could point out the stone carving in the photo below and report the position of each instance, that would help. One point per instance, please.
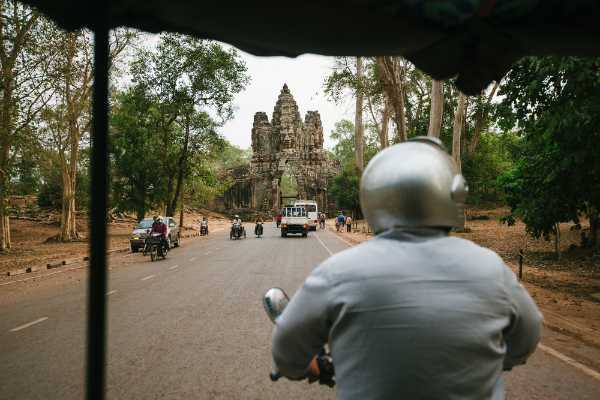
(289, 143)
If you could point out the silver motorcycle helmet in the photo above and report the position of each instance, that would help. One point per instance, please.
(414, 184)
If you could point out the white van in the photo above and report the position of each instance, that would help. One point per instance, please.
(312, 211)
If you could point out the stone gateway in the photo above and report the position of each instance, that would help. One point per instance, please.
(284, 145)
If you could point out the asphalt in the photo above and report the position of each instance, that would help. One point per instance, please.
(192, 327)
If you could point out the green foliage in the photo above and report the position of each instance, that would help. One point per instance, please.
(495, 156)
(555, 101)
(343, 150)
(345, 186)
(232, 156)
(345, 189)
(26, 175)
(50, 191)
(165, 139)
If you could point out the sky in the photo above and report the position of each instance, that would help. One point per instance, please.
(304, 76)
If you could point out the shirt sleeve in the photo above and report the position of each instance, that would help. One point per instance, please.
(523, 334)
(302, 330)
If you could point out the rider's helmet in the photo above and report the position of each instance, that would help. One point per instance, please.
(155, 218)
(412, 185)
(237, 216)
(159, 218)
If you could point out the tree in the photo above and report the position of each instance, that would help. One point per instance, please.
(23, 90)
(182, 77)
(136, 151)
(554, 102)
(459, 118)
(359, 128)
(437, 109)
(68, 119)
(392, 71)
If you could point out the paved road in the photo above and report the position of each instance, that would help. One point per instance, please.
(192, 327)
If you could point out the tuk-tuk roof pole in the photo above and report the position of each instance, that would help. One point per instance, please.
(96, 323)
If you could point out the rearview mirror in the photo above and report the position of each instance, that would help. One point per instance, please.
(275, 300)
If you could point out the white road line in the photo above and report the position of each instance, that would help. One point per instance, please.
(111, 292)
(323, 244)
(570, 361)
(192, 259)
(37, 321)
(207, 253)
(172, 267)
(148, 277)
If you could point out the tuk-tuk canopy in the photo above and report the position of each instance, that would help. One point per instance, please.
(473, 40)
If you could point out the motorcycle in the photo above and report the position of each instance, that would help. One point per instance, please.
(237, 231)
(204, 228)
(258, 229)
(274, 301)
(155, 245)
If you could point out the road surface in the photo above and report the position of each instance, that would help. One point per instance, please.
(192, 327)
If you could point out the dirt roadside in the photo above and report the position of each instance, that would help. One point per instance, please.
(30, 247)
(563, 289)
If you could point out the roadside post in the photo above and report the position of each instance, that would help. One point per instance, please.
(520, 264)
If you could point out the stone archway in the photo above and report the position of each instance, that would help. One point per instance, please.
(288, 143)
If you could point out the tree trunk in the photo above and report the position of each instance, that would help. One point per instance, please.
(391, 75)
(557, 240)
(181, 211)
(172, 206)
(437, 109)
(359, 158)
(456, 139)
(6, 137)
(385, 126)
(481, 121)
(457, 129)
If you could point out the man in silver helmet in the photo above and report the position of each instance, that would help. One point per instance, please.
(412, 313)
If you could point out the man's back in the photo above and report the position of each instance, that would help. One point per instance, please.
(412, 316)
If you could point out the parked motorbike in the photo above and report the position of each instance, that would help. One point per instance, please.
(274, 301)
(258, 229)
(237, 231)
(204, 228)
(155, 245)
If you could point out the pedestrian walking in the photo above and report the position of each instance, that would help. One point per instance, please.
(348, 224)
(339, 221)
(322, 220)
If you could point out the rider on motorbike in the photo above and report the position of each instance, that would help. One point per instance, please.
(258, 225)
(158, 226)
(413, 313)
(237, 224)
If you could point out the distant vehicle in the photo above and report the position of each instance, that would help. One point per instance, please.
(142, 229)
(312, 212)
(294, 220)
(237, 231)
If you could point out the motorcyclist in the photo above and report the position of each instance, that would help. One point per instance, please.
(204, 225)
(158, 226)
(258, 222)
(278, 219)
(237, 221)
(413, 313)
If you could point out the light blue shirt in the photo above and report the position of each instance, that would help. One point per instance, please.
(411, 315)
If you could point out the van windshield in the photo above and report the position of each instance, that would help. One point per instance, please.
(294, 212)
